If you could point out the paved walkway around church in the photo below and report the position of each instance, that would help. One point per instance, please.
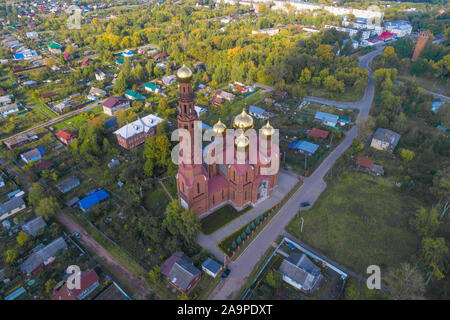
(286, 182)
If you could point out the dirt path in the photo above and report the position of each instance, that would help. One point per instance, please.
(98, 251)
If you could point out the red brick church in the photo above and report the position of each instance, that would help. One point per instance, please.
(205, 187)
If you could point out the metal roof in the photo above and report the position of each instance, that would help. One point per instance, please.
(139, 126)
(92, 199)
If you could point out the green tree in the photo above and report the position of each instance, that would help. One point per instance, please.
(434, 250)
(50, 285)
(425, 221)
(407, 155)
(305, 76)
(48, 207)
(10, 256)
(22, 238)
(37, 192)
(181, 223)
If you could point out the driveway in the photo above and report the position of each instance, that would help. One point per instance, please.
(310, 191)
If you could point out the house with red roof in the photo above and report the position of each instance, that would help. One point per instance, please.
(66, 136)
(88, 283)
(318, 134)
(368, 166)
(85, 62)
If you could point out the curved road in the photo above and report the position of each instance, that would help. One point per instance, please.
(311, 189)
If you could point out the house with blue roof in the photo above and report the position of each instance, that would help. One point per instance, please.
(327, 119)
(435, 105)
(258, 112)
(92, 199)
(304, 147)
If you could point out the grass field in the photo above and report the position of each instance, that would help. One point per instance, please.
(220, 218)
(359, 221)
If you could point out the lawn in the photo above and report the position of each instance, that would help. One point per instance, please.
(360, 221)
(220, 218)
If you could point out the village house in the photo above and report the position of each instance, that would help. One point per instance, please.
(54, 48)
(32, 155)
(66, 136)
(259, 113)
(42, 256)
(92, 199)
(168, 80)
(100, 75)
(133, 95)
(88, 283)
(63, 106)
(114, 104)
(318, 134)
(268, 31)
(385, 140)
(68, 184)
(34, 226)
(225, 95)
(367, 165)
(327, 119)
(152, 87)
(304, 147)
(300, 272)
(135, 133)
(95, 93)
(160, 56)
(181, 272)
(11, 207)
(9, 109)
(7, 99)
(19, 140)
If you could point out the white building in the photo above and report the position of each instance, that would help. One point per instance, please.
(401, 28)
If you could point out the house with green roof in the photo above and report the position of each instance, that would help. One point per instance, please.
(54, 47)
(132, 95)
(152, 87)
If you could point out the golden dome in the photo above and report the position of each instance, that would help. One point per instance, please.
(267, 129)
(184, 74)
(242, 141)
(219, 127)
(243, 121)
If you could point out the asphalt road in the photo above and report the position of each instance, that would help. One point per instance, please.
(310, 191)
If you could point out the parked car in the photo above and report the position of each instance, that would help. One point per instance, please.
(226, 273)
(305, 204)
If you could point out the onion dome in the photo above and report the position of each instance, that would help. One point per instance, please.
(267, 129)
(184, 74)
(243, 121)
(219, 127)
(242, 141)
